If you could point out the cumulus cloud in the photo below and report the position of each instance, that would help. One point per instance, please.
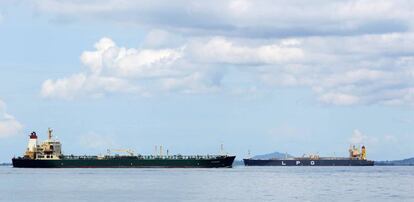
(221, 50)
(114, 69)
(342, 71)
(130, 62)
(9, 126)
(85, 85)
(336, 75)
(191, 68)
(345, 52)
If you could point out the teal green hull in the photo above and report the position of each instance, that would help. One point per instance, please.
(126, 162)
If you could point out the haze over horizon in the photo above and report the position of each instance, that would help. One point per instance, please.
(289, 76)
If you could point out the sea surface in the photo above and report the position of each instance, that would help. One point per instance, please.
(379, 183)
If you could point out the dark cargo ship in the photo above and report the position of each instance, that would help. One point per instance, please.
(355, 158)
(49, 155)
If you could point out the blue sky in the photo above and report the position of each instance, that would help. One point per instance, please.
(289, 76)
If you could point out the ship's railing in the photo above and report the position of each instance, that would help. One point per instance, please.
(338, 158)
(147, 157)
(315, 158)
(79, 157)
(325, 158)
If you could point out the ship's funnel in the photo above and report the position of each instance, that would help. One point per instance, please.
(363, 153)
(33, 135)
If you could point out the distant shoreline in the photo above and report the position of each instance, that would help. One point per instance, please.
(381, 163)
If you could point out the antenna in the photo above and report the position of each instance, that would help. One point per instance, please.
(248, 154)
(50, 133)
(221, 149)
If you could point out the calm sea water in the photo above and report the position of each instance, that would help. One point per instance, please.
(235, 184)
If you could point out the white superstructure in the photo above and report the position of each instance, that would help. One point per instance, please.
(49, 149)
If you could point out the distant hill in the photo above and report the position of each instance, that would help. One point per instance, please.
(5, 164)
(273, 155)
(404, 162)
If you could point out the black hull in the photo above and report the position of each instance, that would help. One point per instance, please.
(223, 162)
(307, 162)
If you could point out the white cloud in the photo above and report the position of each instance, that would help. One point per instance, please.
(85, 85)
(239, 7)
(264, 18)
(94, 59)
(9, 126)
(346, 52)
(358, 138)
(342, 71)
(114, 69)
(221, 50)
(110, 59)
(191, 68)
(337, 76)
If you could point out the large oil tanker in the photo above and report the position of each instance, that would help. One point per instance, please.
(49, 155)
(356, 158)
